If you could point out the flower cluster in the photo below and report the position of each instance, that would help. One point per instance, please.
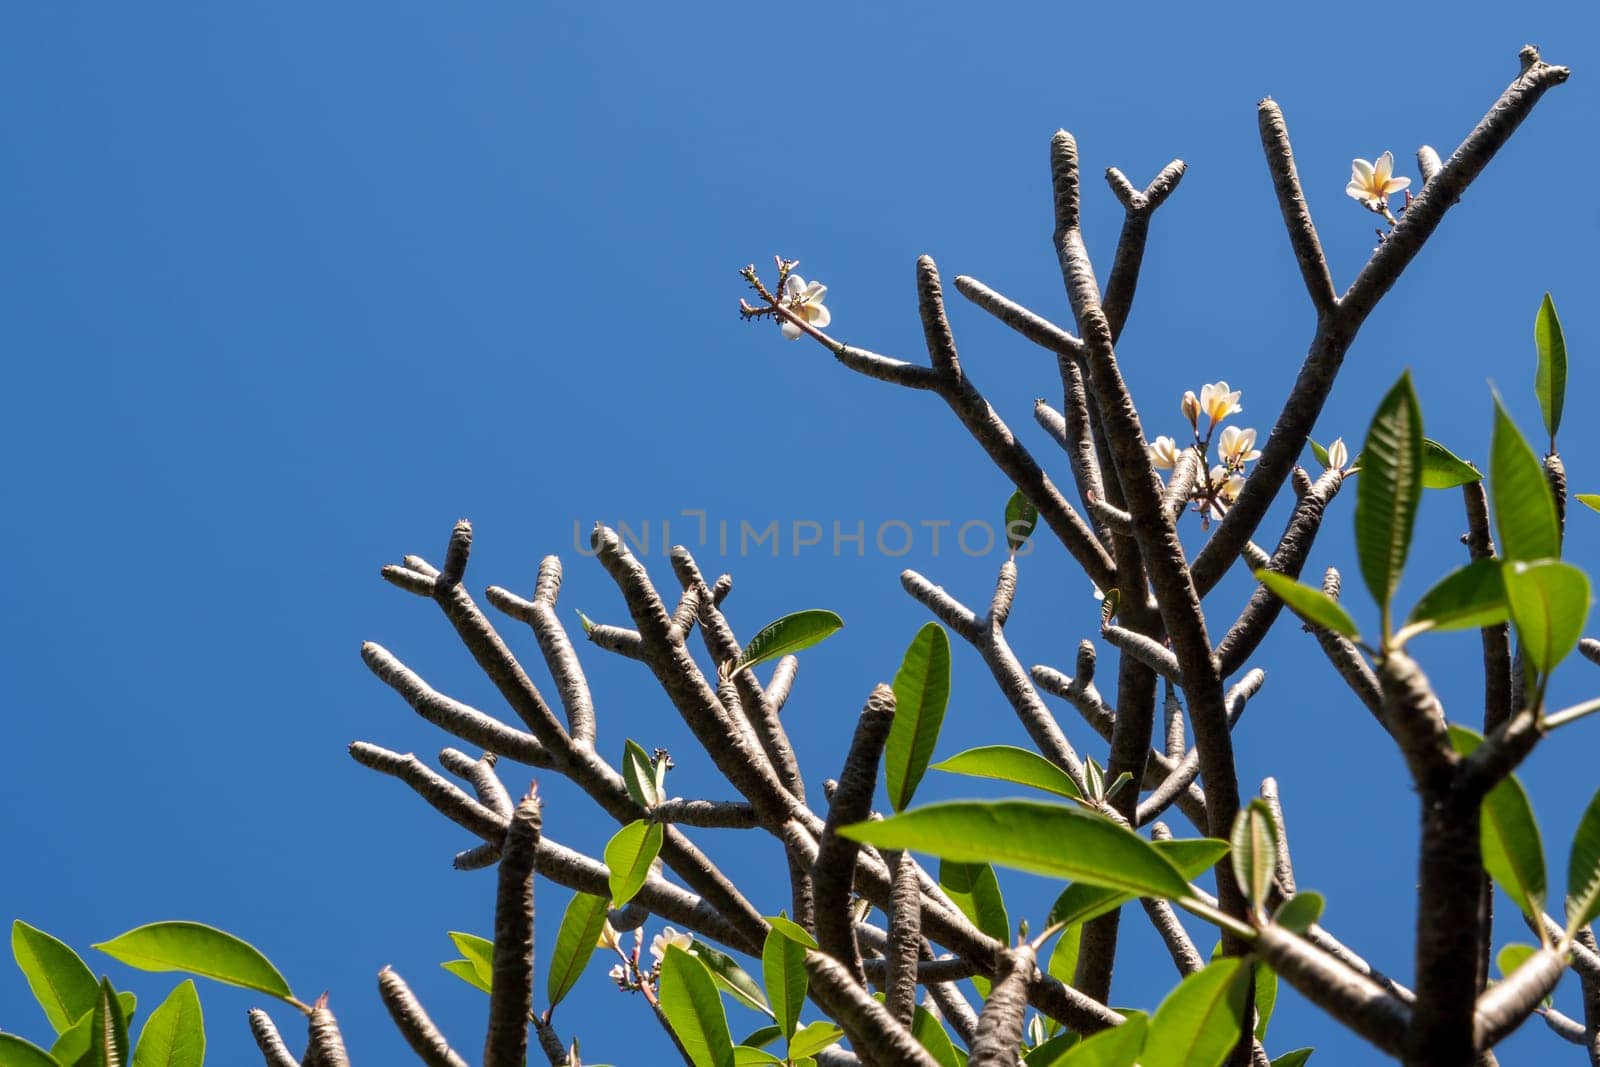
(630, 974)
(796, 305)
(1211, 494)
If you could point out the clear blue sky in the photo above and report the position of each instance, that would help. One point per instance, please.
(288, 288)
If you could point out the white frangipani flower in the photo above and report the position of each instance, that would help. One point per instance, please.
(618, 974)
(1373, 183)
(668, 936)
(1190, 406)
(804, 299)
(1218, 403)
(1237, 447)
(1164, 453)
(1338, 455)
(609, 938)
(1225, 488)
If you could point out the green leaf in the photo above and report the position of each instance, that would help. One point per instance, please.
(175, 1033)
(1266, 998)
(690, 1001)
(783, 968)
(1583, 870)
(61, 982)
(108, 1031)
(1588, 500)
(73, 1044)
(1064, 957)
(1513, 956)
(1524, 511)
(1312, 605)
(732, 978)
(467, 971)
(1321, 454)
(1388, 490)
(1007, 763)
(1468, 598)
(792, 930)
(1549, 603)
(1080, 902)
(1297, 1058)
(479, 951)
(813, 1038)
(1198, 1023)
(629, 854)
(1512, 852)
(201, 950)
(747, 1056)
(1443, 469)
(1055, 840)
(789, 634)
(576, 940)
(1116, 1047)
(1021, 518)
(15, 1052)
(762, 1036)
(1254, 844)
(974, 889)
(930, 1033)
(1550, 380)
(638, 772)
(1299, 912)
(921, 694)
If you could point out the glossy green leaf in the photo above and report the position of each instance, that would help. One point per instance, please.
(1549, 603)
(73, 1044)
(1312, 605)
(930, 1033)
(639, 774)
(921, 694)
(763, 1036)
(1056, 840)
(783, 968)
(1550, 379)
(61, 982)
(1080, 902)
(1021, 518)
(1388, 490)
(175, 1033)
(15, 1052)
(1583, 870)
(1198, 1023)
(792, 930)
(1300, 912)
(1588, 500)
(195, 948)
(467, 971)
(1116, 1047)
(1008, 763)
(1443, 469)
(1266, 980)
(1467, 598)
(693, 1008)
(974, 889)
(813, 1038)
(479, 951)
(1254, 851)
(732, 978)
(1064, 956)
(1512, 852)
(108, 1030)
(748, 1056)
(1297, 1058)
(629, 854)
(1524, 510)
(576, 940)
(790, 634)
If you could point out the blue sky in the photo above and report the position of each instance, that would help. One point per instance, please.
(289, 288)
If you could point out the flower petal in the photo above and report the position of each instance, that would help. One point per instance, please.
(794, 287)
(1361, 171)
(1382, 168)
(814, 293)
(818, 315)
(1394, 185)
(790, 330)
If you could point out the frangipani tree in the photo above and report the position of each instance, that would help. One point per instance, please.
(874, 954)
